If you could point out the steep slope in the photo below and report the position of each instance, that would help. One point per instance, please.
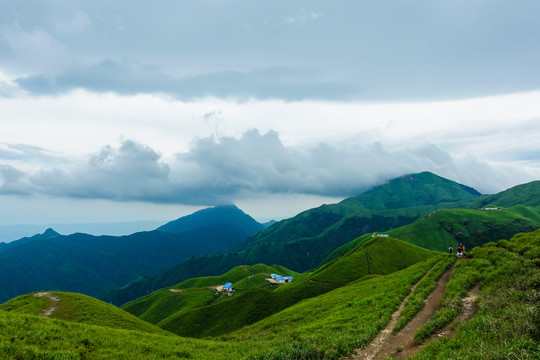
(379, 256)
(304, 241)
(77, 308)
(95, 265)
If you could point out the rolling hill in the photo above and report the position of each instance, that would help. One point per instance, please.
(95, 265)
(78, 308)
(379, 256)
(198, 292)
(331, 325)
(303, 242)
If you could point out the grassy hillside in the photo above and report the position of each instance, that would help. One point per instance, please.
(78, 308)
(197, 292)
(525, 194)
(379, 256)
(331, 325)
(444, 228)
(303, 242)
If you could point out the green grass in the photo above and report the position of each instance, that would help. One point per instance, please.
(162, 304)
(416, 301)
(377, 256)
(506, 324)
(80, 309)
(444, 228)
(328, 326)
(338, 321)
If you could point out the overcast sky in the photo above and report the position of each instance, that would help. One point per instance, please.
(120, 111)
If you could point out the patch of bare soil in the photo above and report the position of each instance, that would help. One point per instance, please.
(54, 303)
(402, 345)
(176, 290)
(219, 288)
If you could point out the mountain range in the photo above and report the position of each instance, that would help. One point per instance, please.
(95, 265)
(305, 241)
(376, 281)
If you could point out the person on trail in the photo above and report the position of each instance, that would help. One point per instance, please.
(460, 250)
(450, 249)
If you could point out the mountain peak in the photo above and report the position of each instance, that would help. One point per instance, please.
(50, 233)
(217, 215)
(411, 190)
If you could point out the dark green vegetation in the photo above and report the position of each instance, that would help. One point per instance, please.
(97, 264)
(303, 242)
(330, 325)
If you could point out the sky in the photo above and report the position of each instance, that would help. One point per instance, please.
(125, 111)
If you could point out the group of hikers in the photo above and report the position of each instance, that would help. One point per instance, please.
(459, 251)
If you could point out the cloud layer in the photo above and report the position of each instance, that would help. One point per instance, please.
(286, 50)
(228, 169)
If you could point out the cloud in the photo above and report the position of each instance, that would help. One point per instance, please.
(227, 169)
(31, 50)
(128, 78)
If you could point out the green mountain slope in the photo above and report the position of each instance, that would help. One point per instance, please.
(525, 194)
(303, 242)
(78, 308)
(198, 292)
(445, 228)
(329, 326)
(379, 256)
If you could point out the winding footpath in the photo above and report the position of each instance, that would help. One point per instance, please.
(386, 343)
(54, 303)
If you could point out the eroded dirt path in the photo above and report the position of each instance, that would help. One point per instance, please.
(54, 303)
(386, 343)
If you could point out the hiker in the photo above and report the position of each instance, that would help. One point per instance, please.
(450, 249)
(460, 250)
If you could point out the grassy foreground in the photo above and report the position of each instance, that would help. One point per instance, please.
(331, 325)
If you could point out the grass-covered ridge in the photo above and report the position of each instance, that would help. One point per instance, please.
(78, 308)
(443, 228)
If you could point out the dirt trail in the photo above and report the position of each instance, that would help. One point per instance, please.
(54, 303)
(386, 343)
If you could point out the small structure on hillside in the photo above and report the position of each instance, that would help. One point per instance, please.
(490, 208)
(228, 288)
(281, 279)
(379, 235)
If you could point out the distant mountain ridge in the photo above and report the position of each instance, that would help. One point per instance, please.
(95, 265)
